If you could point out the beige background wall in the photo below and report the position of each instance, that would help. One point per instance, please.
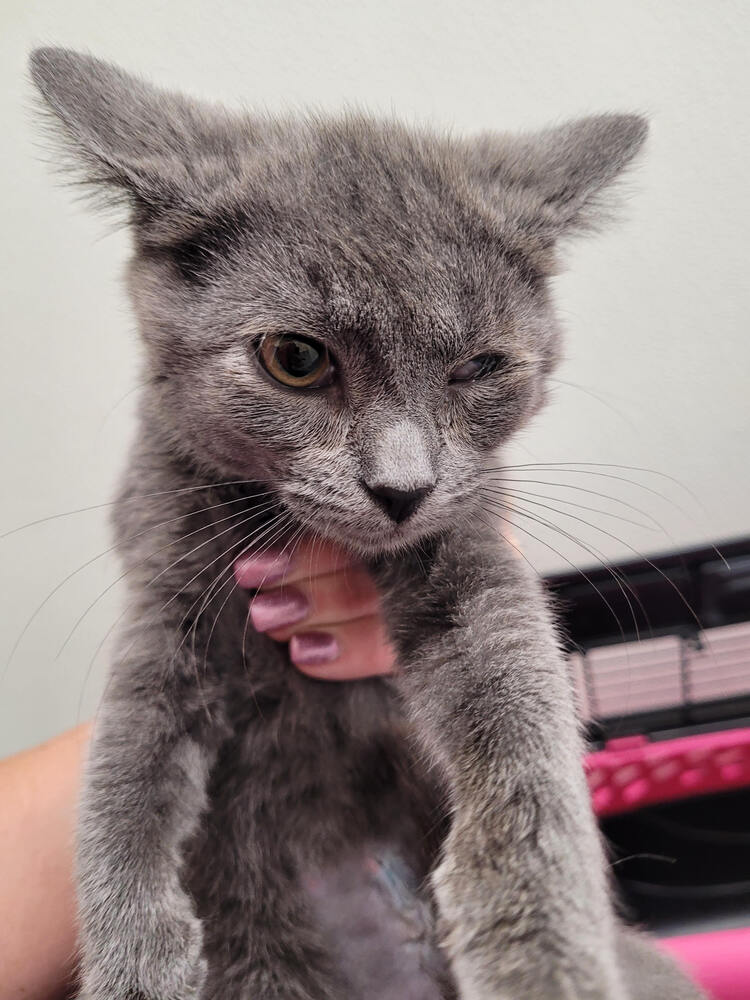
(658, 348)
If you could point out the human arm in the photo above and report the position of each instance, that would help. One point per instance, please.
(38, 791)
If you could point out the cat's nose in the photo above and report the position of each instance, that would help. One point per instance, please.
(398, 504)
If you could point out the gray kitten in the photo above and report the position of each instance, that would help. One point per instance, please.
(341, 320)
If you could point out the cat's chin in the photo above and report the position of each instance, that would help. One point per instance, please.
(371, 548)
(372, 541)
(376, 543)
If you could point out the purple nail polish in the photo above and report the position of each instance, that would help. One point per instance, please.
(274, 609)
(311, 649)
(256, 571)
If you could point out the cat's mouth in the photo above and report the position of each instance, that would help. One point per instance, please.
(366, 532)
(371, 544)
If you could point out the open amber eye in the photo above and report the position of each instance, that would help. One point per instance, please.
(296, 361)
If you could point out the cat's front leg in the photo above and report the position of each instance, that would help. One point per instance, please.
(521, 885)
(143, 794)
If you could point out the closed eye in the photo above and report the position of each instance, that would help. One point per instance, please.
(478, 367)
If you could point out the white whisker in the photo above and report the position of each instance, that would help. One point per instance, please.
(101, 555)
(133, 499)
(185, 555)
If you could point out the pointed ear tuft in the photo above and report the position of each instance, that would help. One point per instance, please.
(559, 179)
(122, 137)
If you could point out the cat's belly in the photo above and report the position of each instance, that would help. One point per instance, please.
(379, 926)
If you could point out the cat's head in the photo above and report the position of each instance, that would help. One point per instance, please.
(351, 311)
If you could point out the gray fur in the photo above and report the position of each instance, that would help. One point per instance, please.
(222, 785)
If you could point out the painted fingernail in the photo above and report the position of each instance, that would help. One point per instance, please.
(255, 571)
(278, 608)
(312, 649)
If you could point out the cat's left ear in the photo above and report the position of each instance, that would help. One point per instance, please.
(558, 180)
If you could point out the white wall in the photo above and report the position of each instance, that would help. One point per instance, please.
(656, 310)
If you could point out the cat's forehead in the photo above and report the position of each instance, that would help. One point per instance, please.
(374, 226)
(359, 279)
(365, 189)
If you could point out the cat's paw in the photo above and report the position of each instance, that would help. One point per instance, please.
(162, 961)
(174, 966)
(505, 941)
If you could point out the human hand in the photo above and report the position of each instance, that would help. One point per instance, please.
(323, 602)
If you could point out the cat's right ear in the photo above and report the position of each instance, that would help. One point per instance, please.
(126, 139)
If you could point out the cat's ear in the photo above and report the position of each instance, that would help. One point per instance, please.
(559, 180)
(124, 138)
